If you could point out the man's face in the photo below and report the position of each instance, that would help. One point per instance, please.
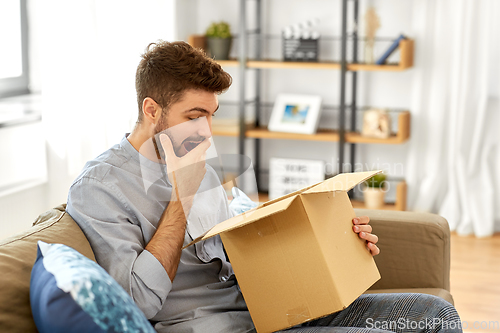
(189, 121)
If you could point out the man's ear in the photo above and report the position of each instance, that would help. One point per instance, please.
(151, 110)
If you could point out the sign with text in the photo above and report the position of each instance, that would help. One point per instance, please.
(289, 175)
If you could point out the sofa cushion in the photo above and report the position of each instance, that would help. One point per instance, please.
(70, 291)
(17, 256)
(414, 249)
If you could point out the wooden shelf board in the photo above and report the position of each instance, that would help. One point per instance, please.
(228, 63)
(315, 65)
(354, 137)
(264, 197)
(399, 205)
(323, 65)
(222, 131)
(291, 64)
(228, 126)
(264, 133)
(321, 135)
(373, 67)
(361, 204)
(406, 61)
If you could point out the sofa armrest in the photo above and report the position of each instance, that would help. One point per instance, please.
(414, 249)
(17, 256)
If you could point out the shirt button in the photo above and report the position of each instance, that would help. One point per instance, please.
(224, 278)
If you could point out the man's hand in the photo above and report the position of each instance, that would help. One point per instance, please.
(364, 232)
(185, 173)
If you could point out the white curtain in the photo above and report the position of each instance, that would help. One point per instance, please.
(89, 52)
(454, 156)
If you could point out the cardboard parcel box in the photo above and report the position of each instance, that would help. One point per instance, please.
(297, 258)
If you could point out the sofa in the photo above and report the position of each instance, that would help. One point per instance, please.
(415, 257)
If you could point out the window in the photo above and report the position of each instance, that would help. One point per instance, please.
(14, 76)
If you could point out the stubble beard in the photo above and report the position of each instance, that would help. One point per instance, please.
(177, 146)
(160, 127)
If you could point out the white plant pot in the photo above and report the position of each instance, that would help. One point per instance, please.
(374, 197)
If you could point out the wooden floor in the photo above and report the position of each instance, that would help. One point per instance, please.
(475, 280)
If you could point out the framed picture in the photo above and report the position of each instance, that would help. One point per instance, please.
(289, 175)
(295, 114)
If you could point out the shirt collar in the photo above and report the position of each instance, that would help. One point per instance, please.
(157, 168)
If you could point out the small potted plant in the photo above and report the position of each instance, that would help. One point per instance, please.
(219, 40)
(374, 191)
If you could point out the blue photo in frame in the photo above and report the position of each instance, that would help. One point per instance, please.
(295, 114)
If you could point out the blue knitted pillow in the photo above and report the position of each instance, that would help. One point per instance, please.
(69, 292)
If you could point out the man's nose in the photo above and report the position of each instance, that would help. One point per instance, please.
(205, 128)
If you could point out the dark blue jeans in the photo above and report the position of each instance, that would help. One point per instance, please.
(377, 313)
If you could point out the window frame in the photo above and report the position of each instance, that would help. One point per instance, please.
(13, 86)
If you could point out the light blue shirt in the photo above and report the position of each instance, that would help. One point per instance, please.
(117, 201)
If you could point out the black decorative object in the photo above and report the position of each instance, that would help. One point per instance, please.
(300, 43)
(300, 49)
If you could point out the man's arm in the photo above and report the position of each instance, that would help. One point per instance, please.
(185, 174)
(167, 241)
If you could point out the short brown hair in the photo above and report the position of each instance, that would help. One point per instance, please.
(167, 70)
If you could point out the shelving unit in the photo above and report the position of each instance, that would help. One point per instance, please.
(343, 136)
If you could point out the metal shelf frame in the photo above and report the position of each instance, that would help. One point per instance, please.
(344, 135)
(243, 65)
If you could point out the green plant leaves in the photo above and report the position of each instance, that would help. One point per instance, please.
(219, 30)
(376, 181)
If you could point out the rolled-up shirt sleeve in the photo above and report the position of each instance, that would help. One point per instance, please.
(149, 278)
(118, 242)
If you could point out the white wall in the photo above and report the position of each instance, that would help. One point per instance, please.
(20, 209)
(83, 59)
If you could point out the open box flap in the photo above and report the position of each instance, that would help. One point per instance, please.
(245, 218)
(270, 202)
(342, 182)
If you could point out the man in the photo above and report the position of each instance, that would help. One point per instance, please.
(141, 201)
